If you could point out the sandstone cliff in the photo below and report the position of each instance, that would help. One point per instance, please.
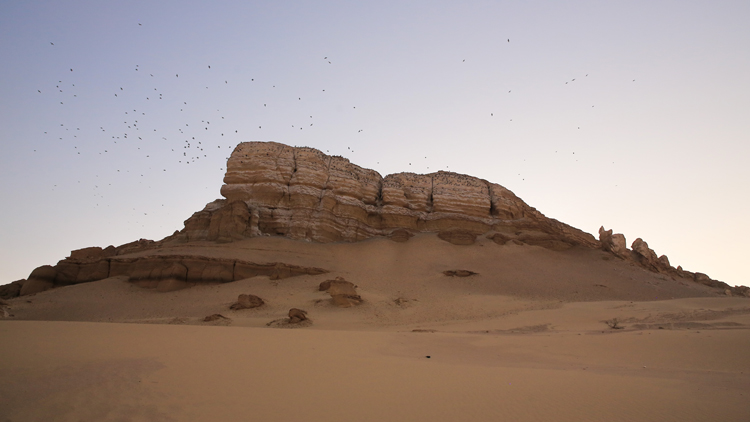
(302, 193)
(271, 189)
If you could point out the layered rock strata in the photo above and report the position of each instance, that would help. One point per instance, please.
(645, 257)
(302, 193)
(161, 272)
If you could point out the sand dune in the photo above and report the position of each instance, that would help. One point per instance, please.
(525, 338)
(92, 371)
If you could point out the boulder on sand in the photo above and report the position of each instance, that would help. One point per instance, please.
(343, 293)
(215, 317)
(247, 302)
(297, 315)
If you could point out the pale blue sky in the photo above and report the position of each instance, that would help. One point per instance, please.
(632, 115)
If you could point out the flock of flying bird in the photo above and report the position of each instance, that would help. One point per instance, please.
(147, 131)
(189, 143)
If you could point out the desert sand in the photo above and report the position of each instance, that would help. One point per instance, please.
(528, 337)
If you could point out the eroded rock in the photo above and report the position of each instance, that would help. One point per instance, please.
(11, 290)
(302, 193)
(297, 315)
(41, 279)
(614, 243)
(343, 293)
(400, 235)
(645, 255)
(215, 317)
(165, 273)
(247, 302)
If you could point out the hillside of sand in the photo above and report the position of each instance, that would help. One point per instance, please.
(319, 291)
(533, 334)
(401, 284)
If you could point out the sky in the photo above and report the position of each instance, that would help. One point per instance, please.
(117, 117)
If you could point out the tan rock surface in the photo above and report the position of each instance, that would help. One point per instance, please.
(11, 290)
(614, 243)
(297, 315)
(165, 273)
(246, 301)
(343, 293)
(276, 190)
(302, 193)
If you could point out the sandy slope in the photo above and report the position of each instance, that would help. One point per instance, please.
(523, 340)
(71, 371)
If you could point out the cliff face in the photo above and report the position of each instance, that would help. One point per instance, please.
(302, 193)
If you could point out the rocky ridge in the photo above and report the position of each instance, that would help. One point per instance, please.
(302, 193)
(161, 272)
(271, 189)
(645, 257)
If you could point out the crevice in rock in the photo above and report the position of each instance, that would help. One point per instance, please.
(325, 185)
(493, 211)
(379, 199)
(430, 199)
(288, 186)
(294, 160)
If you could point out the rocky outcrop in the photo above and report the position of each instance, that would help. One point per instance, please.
(161, 272)
(302, 193)
(645, 257)
(400, 235)
(297, 315)
(271, 189)
(247, 302)
(343, 293)
(614, 243)
(41, 279)
(11, 290)
(221, 222)
(215, 317)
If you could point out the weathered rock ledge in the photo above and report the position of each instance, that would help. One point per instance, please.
(302, 193)
(160, 272)
(271, 189)
(645, 257)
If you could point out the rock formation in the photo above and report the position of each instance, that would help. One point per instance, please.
(215, 317)
(161, 272)
(645, 257)
(271, 189)
(247, 302)
(297, 315)
(302, 193)
(11, 290)
(614, 243)
(343, 293)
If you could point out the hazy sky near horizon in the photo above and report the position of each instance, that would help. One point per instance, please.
(117, 117)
